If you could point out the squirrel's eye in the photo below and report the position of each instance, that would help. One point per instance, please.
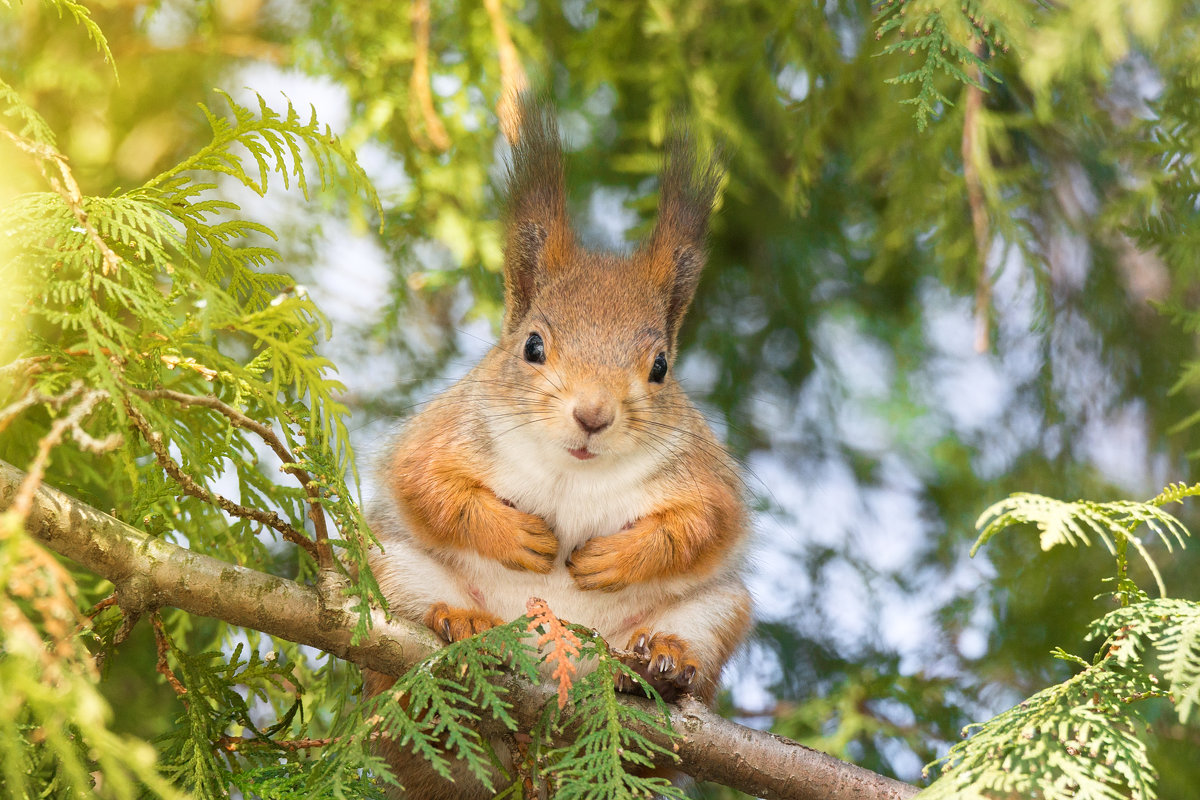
(658, 372)
(535, 349)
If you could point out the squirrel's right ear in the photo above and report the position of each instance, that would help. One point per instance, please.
(676, 250)
(538, 235)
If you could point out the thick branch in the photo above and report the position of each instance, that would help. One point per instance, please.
(152, 572)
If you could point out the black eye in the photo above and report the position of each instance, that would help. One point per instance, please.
(658, 372)
(535, 349)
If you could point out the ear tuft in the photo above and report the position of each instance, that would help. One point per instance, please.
(688, 188)
(536, 208)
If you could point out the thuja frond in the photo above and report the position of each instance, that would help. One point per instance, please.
(276, 143)
(1077, 739)
(192, 313)
(83, 16)
(217, 722)
(605, 748)
(1165, 632)
(33, 127)
(433, 709)
(292, 781)
(1075, 523)
(55, 725)
(563, 652)
(1081, 739)
(950, 37)
(1176, 493)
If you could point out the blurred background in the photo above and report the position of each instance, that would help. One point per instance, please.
(884, 368)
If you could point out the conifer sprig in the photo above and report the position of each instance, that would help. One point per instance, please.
(952, 38)
(160, 307)
(1083, 738)
(1074, 523)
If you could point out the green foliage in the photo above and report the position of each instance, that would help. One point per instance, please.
(1077, 739)
(602, 747)
(1162, 635)
(433, 711)
(952, 36)
(1062, 523)
(160, 344)
(1085, 737)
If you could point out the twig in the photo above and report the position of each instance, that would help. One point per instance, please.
(66, 188)
(419, 13)
(232, 743)
(107, 602)
(190, 487)
(512, 74)
(162, 645)
(37, 468)
(324, 552)
(22, 367)
(975, 198)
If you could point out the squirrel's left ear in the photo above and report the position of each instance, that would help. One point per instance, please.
(539, 236)
(676, 251)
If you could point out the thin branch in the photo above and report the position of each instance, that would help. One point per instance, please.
(711, 748)
(69, 422)
(66, 188)
(972, 155)
(419, 14)
(232, 743)
(22, 368)
(162, 646)
(512, 74)
(191, 487)
(324, 552)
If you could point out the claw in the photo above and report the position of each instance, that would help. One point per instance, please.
(446, 629)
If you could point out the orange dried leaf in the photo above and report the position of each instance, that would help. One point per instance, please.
(564, 644)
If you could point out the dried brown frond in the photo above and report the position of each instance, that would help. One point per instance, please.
(565, 644)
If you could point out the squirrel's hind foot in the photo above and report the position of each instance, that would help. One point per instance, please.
(663, 660)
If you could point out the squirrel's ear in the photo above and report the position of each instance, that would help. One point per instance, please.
(676, 251)
(538, 235)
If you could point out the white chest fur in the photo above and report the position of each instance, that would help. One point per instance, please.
(579, 500)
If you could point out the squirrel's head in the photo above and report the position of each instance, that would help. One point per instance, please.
(592, 336)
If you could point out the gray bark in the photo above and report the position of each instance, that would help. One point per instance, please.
(150, 573)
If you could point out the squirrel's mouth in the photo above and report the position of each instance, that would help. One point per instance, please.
(582, 453)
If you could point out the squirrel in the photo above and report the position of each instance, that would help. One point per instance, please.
(569, 464)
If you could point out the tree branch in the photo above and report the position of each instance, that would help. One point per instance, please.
(149, 573)
(972, 154)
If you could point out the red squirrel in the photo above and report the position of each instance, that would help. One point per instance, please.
(569, 464)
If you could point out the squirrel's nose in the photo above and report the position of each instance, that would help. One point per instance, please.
(594, 419)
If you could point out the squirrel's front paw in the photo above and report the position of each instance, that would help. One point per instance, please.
(601, 563)
(455, 624)
(663, 661)
(524, 542)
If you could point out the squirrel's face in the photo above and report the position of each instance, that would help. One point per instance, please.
(589, 364)
(584, 361)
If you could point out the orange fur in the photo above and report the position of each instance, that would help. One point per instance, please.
(456, 624)
(448, 507)
(687, 538)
